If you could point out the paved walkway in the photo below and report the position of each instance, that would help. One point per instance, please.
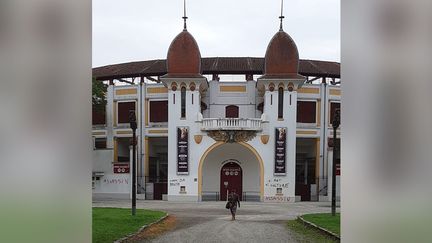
(211, 222)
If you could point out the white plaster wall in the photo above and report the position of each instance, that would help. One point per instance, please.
(102, 160)
(109, 182)
(245, 111)
(246, 101)
(287, 181)
(266, 151)
(214, 162)
(190, 181)
(113, 183)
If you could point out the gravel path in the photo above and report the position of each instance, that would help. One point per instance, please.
(211, 222)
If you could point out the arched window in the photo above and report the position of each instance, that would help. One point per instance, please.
(183, 102)
(231, 111)
(280, 102)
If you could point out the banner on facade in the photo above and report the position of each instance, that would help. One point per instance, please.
(182, 150)
(280, 151)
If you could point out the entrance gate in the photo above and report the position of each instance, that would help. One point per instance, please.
(231, 178)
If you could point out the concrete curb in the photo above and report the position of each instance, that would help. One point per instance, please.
(331, 234)
(141, 229)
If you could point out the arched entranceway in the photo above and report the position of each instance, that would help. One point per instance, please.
(231, 179)
(211, 165)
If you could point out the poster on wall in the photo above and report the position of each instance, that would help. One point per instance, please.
(182, 150)
(280, 151)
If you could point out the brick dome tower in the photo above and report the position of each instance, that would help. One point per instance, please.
(184, 58)
(281, 58)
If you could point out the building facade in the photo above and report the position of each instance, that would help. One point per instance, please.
(267, 136)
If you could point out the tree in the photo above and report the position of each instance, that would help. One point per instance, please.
(99, 90)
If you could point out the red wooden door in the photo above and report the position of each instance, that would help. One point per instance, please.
(159, 189)
(231, 178)
(232, 111)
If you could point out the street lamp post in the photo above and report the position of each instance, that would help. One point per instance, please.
(335, 124)
(133, 125)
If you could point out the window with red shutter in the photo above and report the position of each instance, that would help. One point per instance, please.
(123, 111)
(159, 111)
(306, 111)
(333, 107)
(98, 115)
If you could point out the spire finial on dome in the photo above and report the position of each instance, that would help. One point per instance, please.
(184, 15)
(281, 16)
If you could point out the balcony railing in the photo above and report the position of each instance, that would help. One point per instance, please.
(209, 124)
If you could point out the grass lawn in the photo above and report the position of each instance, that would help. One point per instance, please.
(305, 234)
(325, 220)
(110, 224)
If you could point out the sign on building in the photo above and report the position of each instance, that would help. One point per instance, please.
(120, 168)
(182, 150)
(280, 151)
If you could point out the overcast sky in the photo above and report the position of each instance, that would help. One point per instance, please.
(136, 30)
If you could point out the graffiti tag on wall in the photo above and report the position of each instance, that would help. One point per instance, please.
(176, 181)
(276, 183)
(116, 181)
(276, 199)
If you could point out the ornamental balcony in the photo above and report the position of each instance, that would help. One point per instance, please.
(231, 124)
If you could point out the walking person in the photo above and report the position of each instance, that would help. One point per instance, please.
(233, 200)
